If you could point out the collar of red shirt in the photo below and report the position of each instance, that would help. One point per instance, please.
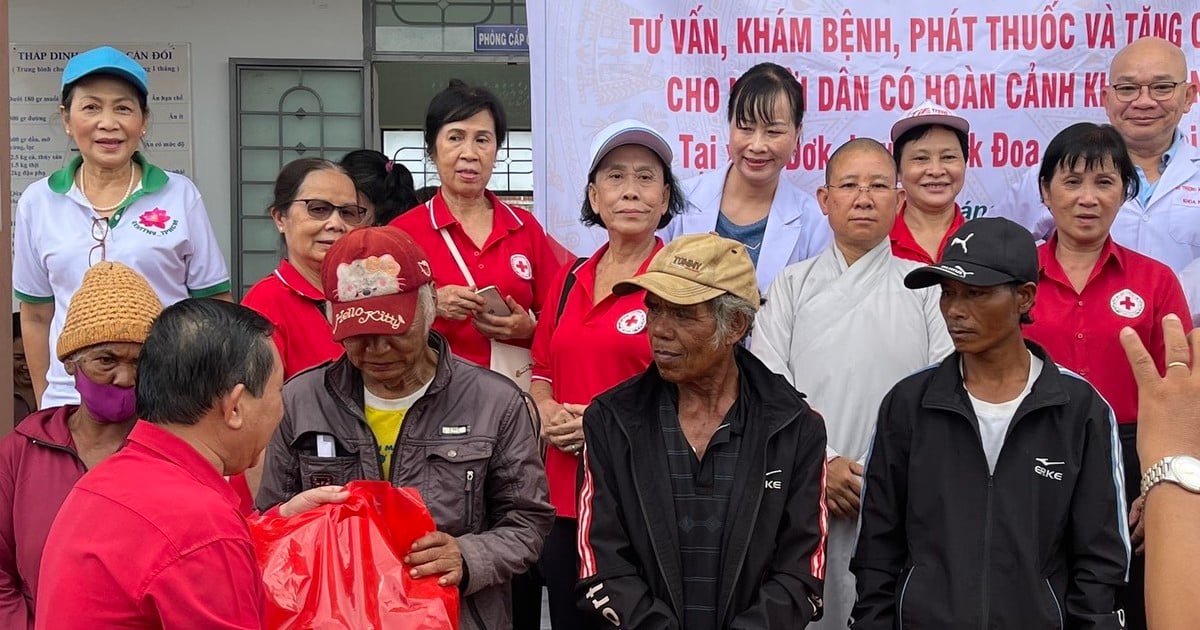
(588, 268)
(903, 237)
(503, 215)
(1052, 269)
(168, 446)
(291, 278)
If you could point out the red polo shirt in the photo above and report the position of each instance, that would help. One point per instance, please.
(150, 538)
(904, 244)
(1081, 331)
(592, 348)
(297, 309)
(516, 258)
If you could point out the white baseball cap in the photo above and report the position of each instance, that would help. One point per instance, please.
(629, 131)
(929, 113)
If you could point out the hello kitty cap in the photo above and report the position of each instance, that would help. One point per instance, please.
(370, 277)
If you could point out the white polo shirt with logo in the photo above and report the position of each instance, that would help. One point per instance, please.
(162, 231)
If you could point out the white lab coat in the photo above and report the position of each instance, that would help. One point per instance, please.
(796, 228)
(844, 336)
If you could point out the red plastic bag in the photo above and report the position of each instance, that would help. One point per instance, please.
(340, 566)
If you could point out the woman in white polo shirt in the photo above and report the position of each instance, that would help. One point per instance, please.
(108, 203)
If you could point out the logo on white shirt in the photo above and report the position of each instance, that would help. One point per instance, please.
(156, 222)
(520, 266)
(632, 323)
(1127, 304)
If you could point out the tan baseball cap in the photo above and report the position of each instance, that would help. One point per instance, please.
(696, 268)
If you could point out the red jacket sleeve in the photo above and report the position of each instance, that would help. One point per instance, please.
(217, 586)
(14, 610)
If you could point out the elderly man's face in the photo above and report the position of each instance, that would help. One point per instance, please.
(1145, 121)
(389, 360)
(682, 340)
(861, 198)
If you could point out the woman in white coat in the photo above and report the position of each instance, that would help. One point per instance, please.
(748, 201)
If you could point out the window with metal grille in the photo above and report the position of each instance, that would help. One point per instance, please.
(283, 110)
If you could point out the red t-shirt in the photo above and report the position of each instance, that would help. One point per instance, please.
(297, 309)
(516, 258)
(589, 350)
(1081, 331)
(150, 538)
(904, 244)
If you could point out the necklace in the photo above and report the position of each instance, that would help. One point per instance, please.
(128, 191)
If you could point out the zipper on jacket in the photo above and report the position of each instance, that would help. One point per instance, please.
(470, 491)
(1058, 606)
(987, 555)
(753, 520)
(59, 447)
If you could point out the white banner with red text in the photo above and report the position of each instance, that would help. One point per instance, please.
(1019, 71)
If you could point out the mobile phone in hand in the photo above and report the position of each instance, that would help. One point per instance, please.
(493, 301)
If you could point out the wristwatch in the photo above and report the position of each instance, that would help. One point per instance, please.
(1183, 470)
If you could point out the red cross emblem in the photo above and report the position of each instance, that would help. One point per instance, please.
(1127, 304)
(520, 266)
(632, 323)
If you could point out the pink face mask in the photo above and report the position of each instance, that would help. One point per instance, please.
(107, 404)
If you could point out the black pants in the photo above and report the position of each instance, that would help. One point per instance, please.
(1133, 597)
(527, 600)
(558, 571)
(560, 568)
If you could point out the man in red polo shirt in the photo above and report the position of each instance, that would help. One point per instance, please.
(153, 538)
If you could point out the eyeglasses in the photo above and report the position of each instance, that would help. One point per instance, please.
(853, 190)
(100, 235)
(1159, 90)
(320, 210)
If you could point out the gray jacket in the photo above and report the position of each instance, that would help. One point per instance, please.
(468, 445)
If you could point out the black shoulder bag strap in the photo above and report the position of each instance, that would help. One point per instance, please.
(567, 284)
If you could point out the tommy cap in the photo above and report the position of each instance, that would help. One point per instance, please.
(929, 113)
(370, 277)
(696, 268)
(983, 253)
(109, 60)
(628, 131)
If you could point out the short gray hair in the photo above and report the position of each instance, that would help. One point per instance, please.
(427, 304)
(725, 309)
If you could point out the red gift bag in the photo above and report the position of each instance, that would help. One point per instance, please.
(340, 566)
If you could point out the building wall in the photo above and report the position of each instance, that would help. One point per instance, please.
(216, 30)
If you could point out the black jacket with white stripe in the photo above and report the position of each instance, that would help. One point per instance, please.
(1041, 542)
(773, 554)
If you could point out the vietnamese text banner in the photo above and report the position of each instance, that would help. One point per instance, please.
(1019, 71)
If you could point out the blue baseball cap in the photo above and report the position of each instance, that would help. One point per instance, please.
(108, 60)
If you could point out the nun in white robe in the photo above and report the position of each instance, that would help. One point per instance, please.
(844, 335)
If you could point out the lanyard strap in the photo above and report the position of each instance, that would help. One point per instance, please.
(462, 266)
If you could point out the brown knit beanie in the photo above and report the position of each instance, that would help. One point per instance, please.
(113, 303)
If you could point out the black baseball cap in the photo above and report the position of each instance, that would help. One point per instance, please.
(983, 253)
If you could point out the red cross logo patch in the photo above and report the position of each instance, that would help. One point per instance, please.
(632, 323)
(520, 266)
(1127, 304)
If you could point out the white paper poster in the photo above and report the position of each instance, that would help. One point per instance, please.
(40, 146)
